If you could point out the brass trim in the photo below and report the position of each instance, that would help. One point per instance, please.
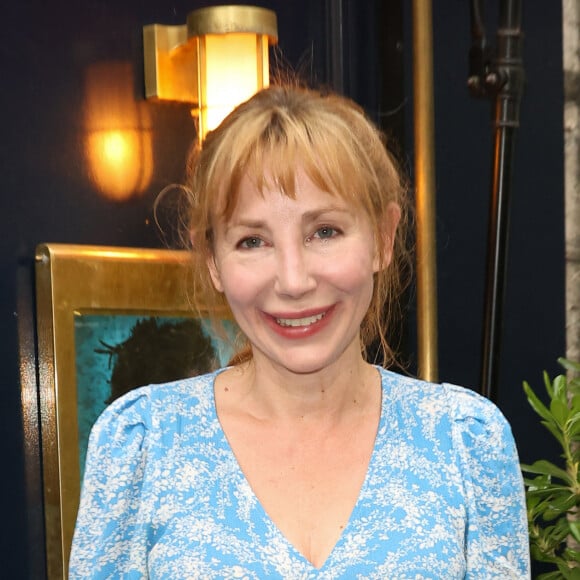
(224, 19)
(170, 64)
(425, 189)
(96, 280)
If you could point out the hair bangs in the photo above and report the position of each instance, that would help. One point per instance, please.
(288, 144)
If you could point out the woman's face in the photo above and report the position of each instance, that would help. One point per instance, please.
(297, 273)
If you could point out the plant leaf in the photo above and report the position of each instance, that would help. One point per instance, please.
(559, 506)
(548, 384)
(569, 365)
(548, 468)
(574, 385)
(536, 404)
(573, 425)
(570, 573)
(560, 386)
(560, 411)
(555, 430)
(575, 530)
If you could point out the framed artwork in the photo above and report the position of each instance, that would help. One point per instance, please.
(108, 320)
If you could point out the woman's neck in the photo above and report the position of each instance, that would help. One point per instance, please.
(271, 392)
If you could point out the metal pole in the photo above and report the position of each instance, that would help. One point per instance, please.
(507, 76)
(425, 189)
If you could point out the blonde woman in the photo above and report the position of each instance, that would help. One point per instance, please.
(301, 459)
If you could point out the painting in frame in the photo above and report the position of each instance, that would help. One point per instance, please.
(109, 319)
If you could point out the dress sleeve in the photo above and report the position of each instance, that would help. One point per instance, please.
(110, 537)
(496, 541)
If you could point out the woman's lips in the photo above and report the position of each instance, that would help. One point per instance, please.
(300, 324)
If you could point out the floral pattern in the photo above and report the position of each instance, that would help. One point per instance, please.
(164, 497)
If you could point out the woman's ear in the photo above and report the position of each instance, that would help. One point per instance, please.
(214, 272)
(388, 230)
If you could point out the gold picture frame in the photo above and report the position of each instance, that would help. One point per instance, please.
(73, 281)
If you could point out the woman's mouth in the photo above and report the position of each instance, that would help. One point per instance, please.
(296, 322)
(299, 325)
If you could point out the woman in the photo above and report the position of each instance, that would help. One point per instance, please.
(300, 460)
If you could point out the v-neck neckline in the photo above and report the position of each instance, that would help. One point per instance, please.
(265, 517)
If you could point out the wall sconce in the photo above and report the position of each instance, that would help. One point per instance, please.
(118, 134)
(215, 61)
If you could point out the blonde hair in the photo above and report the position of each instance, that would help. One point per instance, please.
(330, 139)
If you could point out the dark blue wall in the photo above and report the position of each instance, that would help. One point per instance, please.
(47, 194)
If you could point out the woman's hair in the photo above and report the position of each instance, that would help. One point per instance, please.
(278, 132)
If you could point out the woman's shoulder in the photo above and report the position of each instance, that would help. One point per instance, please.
(152, 406)
(450, 415)
(461, 405)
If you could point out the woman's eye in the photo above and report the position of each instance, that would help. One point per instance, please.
(325, 233)
(250, 243)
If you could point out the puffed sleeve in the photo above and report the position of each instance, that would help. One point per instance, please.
(497, 534)
(110, 535)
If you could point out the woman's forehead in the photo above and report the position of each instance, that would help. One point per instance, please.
(307, 202)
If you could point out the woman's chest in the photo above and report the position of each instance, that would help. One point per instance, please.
(307, 482)
(408, 520)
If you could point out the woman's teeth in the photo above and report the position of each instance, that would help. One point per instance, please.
(300, 321)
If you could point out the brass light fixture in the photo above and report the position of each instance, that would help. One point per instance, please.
(215, 61)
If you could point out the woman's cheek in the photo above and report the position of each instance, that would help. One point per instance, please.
(242, 282)
(348, 268)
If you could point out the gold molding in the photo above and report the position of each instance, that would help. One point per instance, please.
(226, 19)
(74, 279)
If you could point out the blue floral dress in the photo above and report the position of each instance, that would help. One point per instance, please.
(164, 497)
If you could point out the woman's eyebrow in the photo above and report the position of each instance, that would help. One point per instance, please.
(314, 214)
(307, 217)
(247, 223)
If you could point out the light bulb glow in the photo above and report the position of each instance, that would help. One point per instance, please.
(233, 67)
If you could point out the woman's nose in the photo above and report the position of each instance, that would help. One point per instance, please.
(294, 276)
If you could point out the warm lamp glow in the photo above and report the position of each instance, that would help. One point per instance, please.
(118, 141)
(218, 60)
(231, 70)
(120, 168)
(116, 147)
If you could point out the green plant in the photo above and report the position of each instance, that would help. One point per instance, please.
(552, 492)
